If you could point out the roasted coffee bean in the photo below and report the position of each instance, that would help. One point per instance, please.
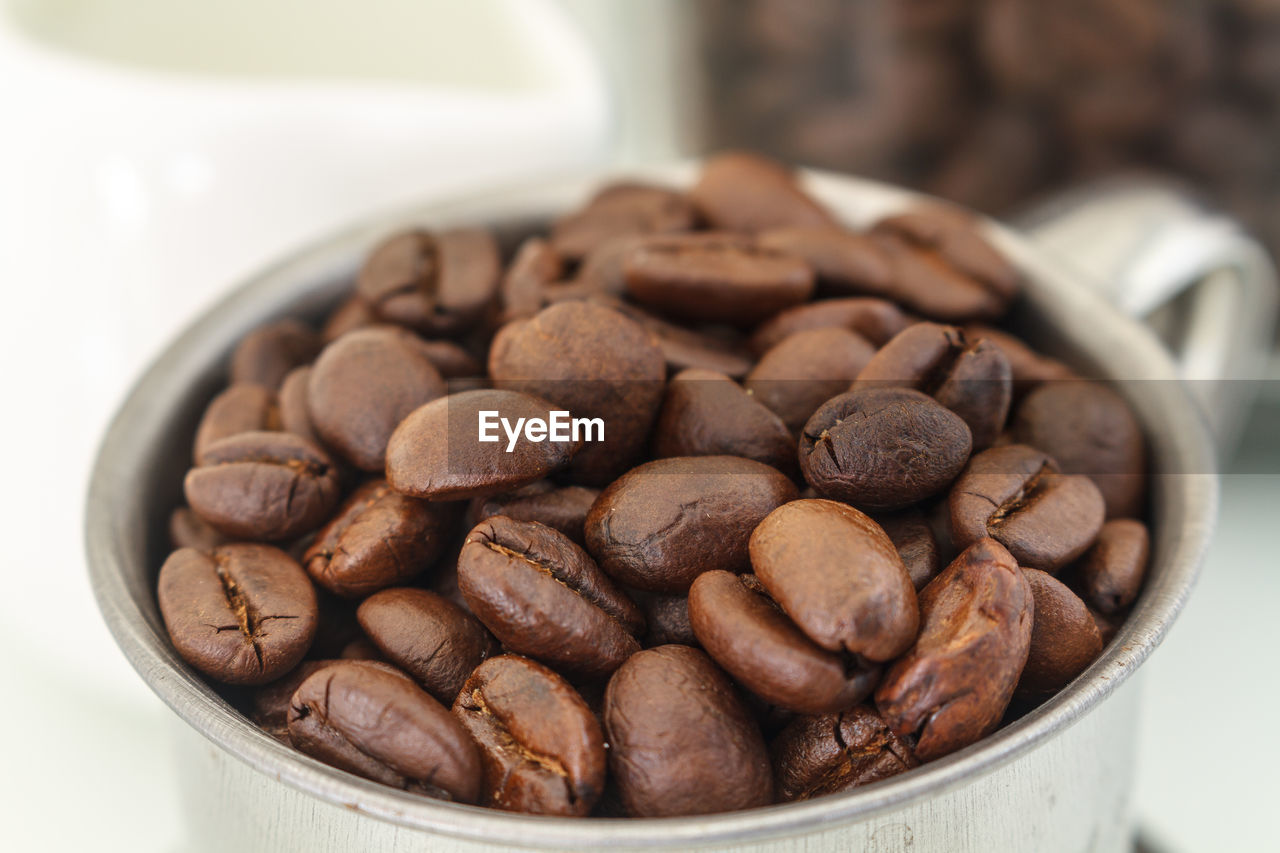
(361, 649)
(844, 261)
(378, 724)
(295, 413)
(267, 354)
(715, 277)
(1064, 638)
(827, 754)
(599, 276)
(241, 614)
(666, 618)
(595, 363)
(240, 408)
(544, 597)
(944, 270)
(1087, 428)
(1027, 367)
(749, 635)
(664, 523)
(449, 359)
(971, 377)
(684, 348)
(1016, 495)
(436, 452)
(427, 636)
(708, 414)
(438, 283)
(883, 448)
(953, 686)
(678, 733)
(188, 530)
(263, 485)
(625, 209)
(1108, 626)
(877, 320)
(354, 313)
(270, 708)
(360, 389)
(838, 576)
(564, 508)
(1111, 572)
(910, 533)
(523, 287)
(745, 192)
(805, 369)
(541, 747)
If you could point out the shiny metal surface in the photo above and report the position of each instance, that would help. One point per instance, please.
(1055, 779)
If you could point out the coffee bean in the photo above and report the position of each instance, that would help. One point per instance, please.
(188, 530)
(684, 348)
(541, 747)
(523, 286)
(362, 386)
(427, 636)
(953, 686)
(263, 485)
(745, 192)
(910, 533)
(877, 320)
(664, 523)
(1016, 495)
(449, 359)
(353, 313)
(749, 635)
(805, 369)
(1111, 572)
(830, 753)
(241, 614)
(666, 618)
(340, 714)
(844, 261)
(361, 649)
(715, 277)
(436, 452)
(705, 413)
(438, 283)
(883, 448)
(677, 731)
(1089, 430)
(240, 408)
(267, 354)
(1064, 638)
(564, 508)
(270, 708)
(1027, 367)
(621, 210)
(596, 364)
(543, 596)
(838, 576)
(970, 377)
(295, 413)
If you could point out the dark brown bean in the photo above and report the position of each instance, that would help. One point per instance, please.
(542, 749)
(564, 508)
(270, 708)
(426, 635)
(240, 408)
(838, 576)
(827, 754)
(715, 277)
(745, 192)
(241, 614)
(339, 715)
(705, 413)
(805, 369)
(1028, 367)
(624, 209)
(883, 448)
(360, 389)
(662, 524)
(263, 485)
(523, 287)
(953, 686)
(188, 530)
(677, 731)
(438, 283)
(877, 320)
(436, 452)
(749, 635)
(354, 313)
(595, 363)
(544, 597)
(971, 377)
(1016, 495)
(666, 618)
(1064, 638)
(1111, 572)
(844, 261)
(267, 354)
(295, 413)
(910, 533)
(685, 348)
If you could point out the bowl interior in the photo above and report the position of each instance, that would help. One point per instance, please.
(138, 476)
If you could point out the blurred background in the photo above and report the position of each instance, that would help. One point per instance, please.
(156, 151)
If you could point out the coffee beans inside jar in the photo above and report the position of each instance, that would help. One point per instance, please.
(698, 501)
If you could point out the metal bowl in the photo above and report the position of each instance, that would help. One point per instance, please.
(1055, 779)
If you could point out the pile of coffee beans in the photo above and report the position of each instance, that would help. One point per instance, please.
(699, 501)
(993, 102)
